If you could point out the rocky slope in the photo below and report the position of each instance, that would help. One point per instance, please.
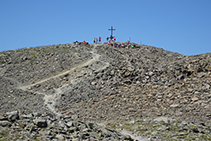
(142, 93)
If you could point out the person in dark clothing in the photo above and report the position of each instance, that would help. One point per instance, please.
(111, 37)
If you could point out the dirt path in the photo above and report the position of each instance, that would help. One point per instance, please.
(51, 100)
(95, 58)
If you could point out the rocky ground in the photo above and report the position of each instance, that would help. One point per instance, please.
(98, 92)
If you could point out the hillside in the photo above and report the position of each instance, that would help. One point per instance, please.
(149, 92)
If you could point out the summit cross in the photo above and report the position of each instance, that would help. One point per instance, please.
(111, 30)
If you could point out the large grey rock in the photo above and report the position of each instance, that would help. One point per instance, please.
(5, 123)
(12, 116)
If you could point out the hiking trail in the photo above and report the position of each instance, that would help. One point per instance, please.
(50, 100)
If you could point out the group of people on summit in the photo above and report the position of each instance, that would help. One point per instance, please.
(96, 40)
(112, 42)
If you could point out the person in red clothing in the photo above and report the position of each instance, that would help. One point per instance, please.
(114, 38)
(108, 43)
(99, 39)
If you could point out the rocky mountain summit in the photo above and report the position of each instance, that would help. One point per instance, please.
(98, 92)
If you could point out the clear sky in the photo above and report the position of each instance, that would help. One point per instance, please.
(182, 26)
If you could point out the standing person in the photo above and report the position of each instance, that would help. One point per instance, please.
(94, 40)
(108, 43)
(107, 39)
(99, 39)
(114, 38)
(111, 37)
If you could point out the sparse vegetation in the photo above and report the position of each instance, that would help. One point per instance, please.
(3, 134)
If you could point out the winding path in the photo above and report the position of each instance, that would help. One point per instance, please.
(50, 100)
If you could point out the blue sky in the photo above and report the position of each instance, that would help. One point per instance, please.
(182, 26)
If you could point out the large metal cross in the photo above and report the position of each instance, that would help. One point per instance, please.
(111, 30)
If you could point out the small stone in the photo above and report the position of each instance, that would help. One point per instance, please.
(154, 87)
(2, 117)
(69, 124)
(163, 119)
(195, 130)
(41, 123)
(180, 77)
(85, 130)
(151, 73)
(182, 133)
(190, 90)
(184, 100)
(194, 98)
(127, 137)
(112, 72)
(5, 123)
(72, 129)
(29, 116)
(91, 125)
(185, 128)
(60, 137)
(174, 105)
(44, 132)
(93, 83)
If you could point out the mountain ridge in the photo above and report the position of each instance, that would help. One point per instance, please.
(100, 83)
